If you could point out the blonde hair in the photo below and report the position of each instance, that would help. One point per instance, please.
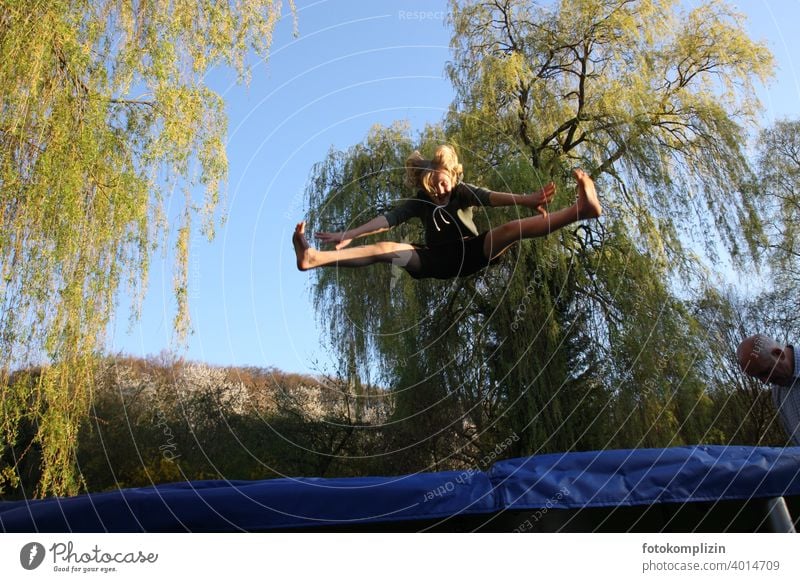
(419, 171)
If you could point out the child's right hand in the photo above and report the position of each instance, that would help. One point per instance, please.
(334, 237)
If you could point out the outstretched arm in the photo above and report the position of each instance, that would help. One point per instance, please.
(342, 239)
(538, 200)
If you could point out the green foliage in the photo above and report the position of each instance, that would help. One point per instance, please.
(587, 338)
(104, 114)
(744, 412)
(778, 193)
(162, 420)
(640, 91)
(347, 189)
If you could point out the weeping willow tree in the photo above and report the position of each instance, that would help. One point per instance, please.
(104, 115)
(779, 194)
(655, 102)
(374, 317)
(583, 339)
(776, 190)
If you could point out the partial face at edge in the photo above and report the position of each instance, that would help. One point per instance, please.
(764, 359)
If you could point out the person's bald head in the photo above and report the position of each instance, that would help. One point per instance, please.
(762, 357)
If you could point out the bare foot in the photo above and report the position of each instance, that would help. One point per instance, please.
(301, 247)
(588, 203)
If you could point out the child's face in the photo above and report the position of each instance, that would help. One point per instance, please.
(442, 183)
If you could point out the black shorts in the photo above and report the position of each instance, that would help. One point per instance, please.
(460, 258)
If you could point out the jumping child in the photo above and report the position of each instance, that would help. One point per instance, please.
(453, 247)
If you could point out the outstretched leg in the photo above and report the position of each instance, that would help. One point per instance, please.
(587, 206)
(401, 254)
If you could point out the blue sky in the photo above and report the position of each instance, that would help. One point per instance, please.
(354, 64)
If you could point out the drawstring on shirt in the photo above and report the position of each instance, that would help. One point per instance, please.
(442, 215)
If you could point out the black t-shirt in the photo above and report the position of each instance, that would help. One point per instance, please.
(446, 223)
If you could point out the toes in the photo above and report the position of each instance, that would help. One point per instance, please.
(579, 174)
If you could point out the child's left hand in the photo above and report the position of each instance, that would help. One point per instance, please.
(539, 200)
